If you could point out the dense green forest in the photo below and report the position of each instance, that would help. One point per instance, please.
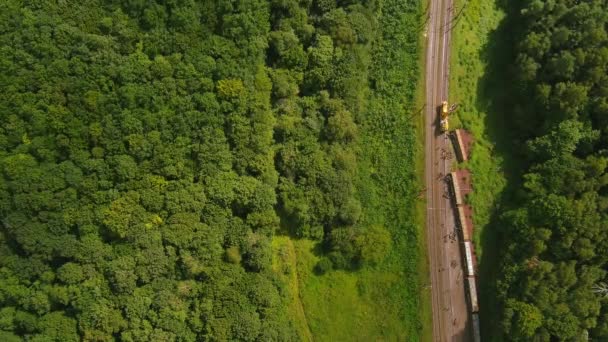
(554, 233)
(150, 150)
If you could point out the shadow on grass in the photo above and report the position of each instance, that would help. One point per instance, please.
(496, 93)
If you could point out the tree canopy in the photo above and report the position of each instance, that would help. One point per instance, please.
(150, 149)
(556, 241)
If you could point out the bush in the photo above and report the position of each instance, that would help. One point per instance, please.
(233, 255)
(323, 266)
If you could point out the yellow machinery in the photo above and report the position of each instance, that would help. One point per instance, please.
(444, 116)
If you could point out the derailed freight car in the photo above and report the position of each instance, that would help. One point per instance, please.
(459, 204)
(468, 255)
(461, 152)
(473, 294)
(456, 189)
(464, 226)
(468, 250)
(476, 329)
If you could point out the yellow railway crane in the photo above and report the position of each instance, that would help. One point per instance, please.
(445, 111)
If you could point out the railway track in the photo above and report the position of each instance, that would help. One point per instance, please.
(450, 315)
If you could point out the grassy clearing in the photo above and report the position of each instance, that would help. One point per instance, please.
(366, 305)
(349, 306)
(284, 265)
